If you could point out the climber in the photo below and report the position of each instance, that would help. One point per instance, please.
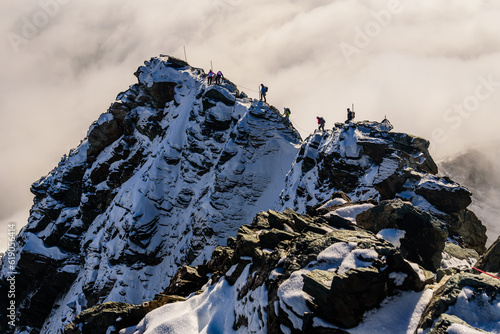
(350, 115)
(218, 78)
(263, 91)
(287, 113)
(210, 76)
(321, 123)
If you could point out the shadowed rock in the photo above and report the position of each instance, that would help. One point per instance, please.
(490, 261)
(425, 236)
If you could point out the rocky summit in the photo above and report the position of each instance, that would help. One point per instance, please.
(191, 208)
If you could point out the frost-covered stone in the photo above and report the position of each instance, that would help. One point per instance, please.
(472, 298)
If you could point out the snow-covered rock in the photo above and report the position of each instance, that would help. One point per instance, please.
(470, 299)
(289, 272)
(168, 173)
(363, 159)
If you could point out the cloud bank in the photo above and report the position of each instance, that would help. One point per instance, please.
(431, 68)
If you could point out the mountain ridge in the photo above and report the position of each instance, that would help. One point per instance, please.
(168, 177)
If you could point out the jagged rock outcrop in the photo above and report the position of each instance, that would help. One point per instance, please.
(445, 321)
(467, 229)
(368, 162)
(470, 298)
(490, 261)
(456, 259)
(306, 268)
(363, 159)
(424, 238)
(477, 169)
(110, 317)
(168, 173)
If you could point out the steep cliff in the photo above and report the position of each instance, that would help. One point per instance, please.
(171, 170)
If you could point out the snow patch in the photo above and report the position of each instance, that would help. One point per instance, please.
(392, 235)
(478, 310)
(350, 212)
(213, 311)
(448, 261)
(293, 299)
(396, 315)
(332, 202)
(35, 245)
(398, 278)
(336, 252)
(358, 258)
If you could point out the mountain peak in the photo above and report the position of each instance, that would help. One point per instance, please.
(171, 174)
(171, 170)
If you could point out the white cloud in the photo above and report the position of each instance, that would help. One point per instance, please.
(428, 57)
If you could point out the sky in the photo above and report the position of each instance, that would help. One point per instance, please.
(431, 67)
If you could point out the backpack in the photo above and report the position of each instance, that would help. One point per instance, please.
(264, 89)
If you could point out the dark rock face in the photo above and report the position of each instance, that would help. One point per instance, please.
(107, 130)
(52, 274)
(162, 92)
(425, 235)
(477, 169)
(388, 187)
(490, 261)
(349, 295)
(467, 229)
(448, 199)
(217, 95)
(186, 281)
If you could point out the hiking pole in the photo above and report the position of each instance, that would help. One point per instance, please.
(185, 57)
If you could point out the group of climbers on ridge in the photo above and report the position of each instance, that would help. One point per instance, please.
(321, 121)
(262, 97)
(218, 77)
